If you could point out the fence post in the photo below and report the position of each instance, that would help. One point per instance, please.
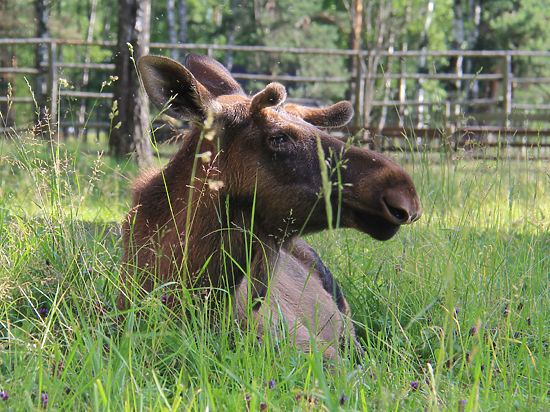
(508, 75)
(52, 80)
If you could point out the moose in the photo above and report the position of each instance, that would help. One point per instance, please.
(228, 210)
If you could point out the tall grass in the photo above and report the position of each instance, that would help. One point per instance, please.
(452, 313)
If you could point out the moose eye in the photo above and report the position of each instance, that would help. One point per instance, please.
(280, 142)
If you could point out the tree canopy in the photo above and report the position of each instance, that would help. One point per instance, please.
(330, 24)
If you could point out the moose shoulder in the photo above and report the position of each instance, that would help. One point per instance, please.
(228, 209)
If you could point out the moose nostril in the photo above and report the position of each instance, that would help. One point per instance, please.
(399, 214)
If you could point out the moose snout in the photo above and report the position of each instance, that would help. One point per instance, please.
(401, 206)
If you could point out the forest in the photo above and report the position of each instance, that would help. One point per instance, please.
(374, 26)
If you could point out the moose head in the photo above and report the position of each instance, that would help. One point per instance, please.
(271, 154)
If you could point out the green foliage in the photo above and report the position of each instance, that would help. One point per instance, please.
(387, 25)
(518, 25)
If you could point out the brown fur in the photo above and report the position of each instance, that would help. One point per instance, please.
(243, 187)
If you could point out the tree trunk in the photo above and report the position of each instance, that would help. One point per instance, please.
(129, 133)
(86, 71)
(182, 31)
(41, 59)
(422, 64)
(7, 59)
(354, 62)
(171, 21)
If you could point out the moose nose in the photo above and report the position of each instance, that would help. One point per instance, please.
(414, 217)
(401, 214)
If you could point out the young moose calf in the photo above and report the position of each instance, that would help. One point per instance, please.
(227, 210)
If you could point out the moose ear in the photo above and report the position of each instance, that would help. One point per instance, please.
(337, 115)
(212, 75)
(273, 95)
(173, 88)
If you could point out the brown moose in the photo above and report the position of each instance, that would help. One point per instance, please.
(227, 211)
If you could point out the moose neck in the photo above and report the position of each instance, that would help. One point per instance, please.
(216, 229)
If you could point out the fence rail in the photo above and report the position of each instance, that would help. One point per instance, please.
(389, 100)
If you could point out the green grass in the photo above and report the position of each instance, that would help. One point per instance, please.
(457, 303)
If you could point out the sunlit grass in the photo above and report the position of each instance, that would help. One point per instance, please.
(453, 312)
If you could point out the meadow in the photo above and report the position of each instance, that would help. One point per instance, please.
(453, 313)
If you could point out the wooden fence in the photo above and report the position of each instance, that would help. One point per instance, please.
(488, 107)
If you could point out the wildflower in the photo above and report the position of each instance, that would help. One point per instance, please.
(263, 406)
(99, 308)
(247, 397)
(520, 306)
(4, 395)
(505, 312)
(343, 399)
(473, 331)
(163, 300)
(528, 321)
(482, 368)
(44, 399)
(271, 384)
(43, 311)
(205, 157)
(461, 404)
(215, 185)
(415, 385)
(276, 348)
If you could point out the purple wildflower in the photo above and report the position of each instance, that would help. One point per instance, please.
(415, 385)
(263, 406)
(482, 368)
(461, 404)
(43, 311)
(163, 300)
(4, 395)
(276, 348)
(528, 321)
(247, 397)
(44, 399)
(473, 331)
(520, 305)
(271, 384)
(343, 399)
(182, 238)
